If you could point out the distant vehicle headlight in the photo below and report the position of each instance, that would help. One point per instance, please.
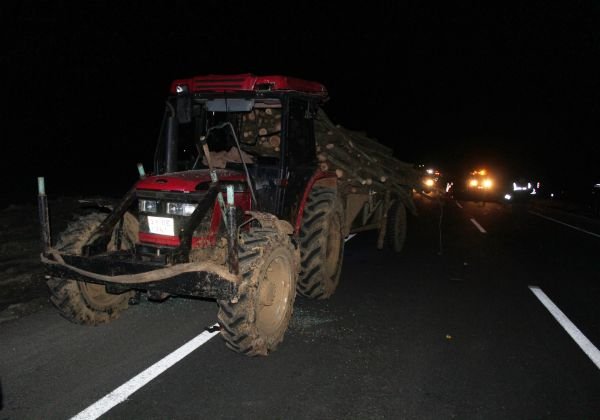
(521, 187)
(429, 182)
(181, 209)
(507, 196)
(148, 206)
(487, 183)
(473, 183)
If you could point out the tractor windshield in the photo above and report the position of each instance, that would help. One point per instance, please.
(257, 128)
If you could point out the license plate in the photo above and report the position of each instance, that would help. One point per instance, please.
(161, 225)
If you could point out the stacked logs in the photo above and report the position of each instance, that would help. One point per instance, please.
(261, 131)
(360, 163)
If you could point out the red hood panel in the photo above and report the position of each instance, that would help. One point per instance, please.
(185, 181)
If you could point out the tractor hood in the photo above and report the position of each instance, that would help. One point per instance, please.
(187, 181)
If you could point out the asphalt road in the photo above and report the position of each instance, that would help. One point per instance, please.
(450, 331)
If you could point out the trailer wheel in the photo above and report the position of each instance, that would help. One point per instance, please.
(396, 226)
(88, 303)
(321, 244)
(255, 323)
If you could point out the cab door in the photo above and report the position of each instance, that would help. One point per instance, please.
(299, 151)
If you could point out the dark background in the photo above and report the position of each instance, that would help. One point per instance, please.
(465, 84)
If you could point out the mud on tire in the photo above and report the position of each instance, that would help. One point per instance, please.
(88, 303)
(321, 244)
(396, 226)
(255, 323)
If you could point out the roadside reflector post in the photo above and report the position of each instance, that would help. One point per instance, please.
(43, 215)
(141, 171)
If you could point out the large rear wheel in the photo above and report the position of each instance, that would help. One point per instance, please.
(321, 244)
(255, 323)
(89, 303)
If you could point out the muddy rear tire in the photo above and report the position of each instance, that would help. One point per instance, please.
(396, 226)
(256, 322)
(88, 303)
(321, 244)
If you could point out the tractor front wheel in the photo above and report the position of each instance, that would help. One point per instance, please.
(88, 303)
(255, 323)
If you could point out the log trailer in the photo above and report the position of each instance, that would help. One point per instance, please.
(251, 197)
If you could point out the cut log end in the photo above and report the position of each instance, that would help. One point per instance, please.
(275, 141)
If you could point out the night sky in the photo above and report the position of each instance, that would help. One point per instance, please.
(464, 84)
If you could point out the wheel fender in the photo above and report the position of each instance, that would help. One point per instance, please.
(323, 179)
(267, 220)
(283, 227)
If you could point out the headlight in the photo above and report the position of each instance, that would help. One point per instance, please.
(147, 206)
(473, 183)
(487, 183)
(181, 209)
(429, 182)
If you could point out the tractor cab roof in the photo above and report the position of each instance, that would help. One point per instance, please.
(247, 82)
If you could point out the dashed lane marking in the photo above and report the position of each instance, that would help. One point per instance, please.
(459, 205)
(582, 341)
(564, 224)
(124, 391)
(478, 226)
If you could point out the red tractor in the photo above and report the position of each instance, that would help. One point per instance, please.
(238, 208)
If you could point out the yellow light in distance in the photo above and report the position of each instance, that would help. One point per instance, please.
(487, 183)
(429, 182)
(473, 183)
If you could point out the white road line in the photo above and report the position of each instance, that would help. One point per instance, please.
(564, 224)
(459, 205)
(582, 341)
(124, 391)
(478, 226)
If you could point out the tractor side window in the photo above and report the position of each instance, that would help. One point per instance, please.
(301, 141)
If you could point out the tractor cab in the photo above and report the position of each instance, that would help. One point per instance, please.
(260, 127)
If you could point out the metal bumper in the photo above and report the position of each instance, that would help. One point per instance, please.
(122, 272)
